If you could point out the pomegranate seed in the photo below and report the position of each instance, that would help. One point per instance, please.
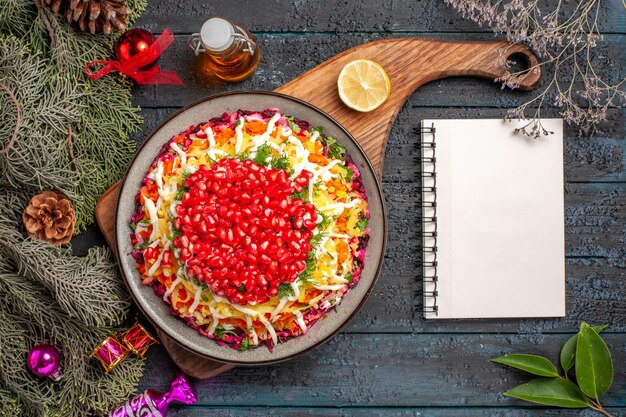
(242, 233)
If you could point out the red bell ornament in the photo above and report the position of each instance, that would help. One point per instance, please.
(133, 42)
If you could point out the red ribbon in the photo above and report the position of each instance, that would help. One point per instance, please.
(131, 67)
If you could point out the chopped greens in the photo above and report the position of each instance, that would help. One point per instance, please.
(316, 240)
(179, 194)
(302, 195)
(262, 153)
(335, 150)
(326, 221)
(281, 162)
(349, 175)
(292, 125)
(361, 224)
(285, 290)
(306, 275)
(245, 344)
(220, 332)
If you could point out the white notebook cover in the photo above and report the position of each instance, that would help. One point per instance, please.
(499, 220)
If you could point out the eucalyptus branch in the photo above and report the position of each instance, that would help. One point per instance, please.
(566, 41)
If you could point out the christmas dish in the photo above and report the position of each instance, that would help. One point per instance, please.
(251, 227)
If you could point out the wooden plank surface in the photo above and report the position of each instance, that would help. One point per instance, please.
(264, 411)
(390, 370)
(390, 361)
(338, 16)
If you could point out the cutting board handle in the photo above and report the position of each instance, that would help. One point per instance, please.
(410, 63)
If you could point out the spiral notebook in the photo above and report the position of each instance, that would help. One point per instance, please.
(493, 220)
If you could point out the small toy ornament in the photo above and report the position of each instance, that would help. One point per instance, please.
(138, 340)
(44, 361)
(113, 351)
(151, 403)
(110, 353)
(137, 53)
(133, 42)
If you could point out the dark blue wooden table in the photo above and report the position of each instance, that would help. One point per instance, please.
(390, 361)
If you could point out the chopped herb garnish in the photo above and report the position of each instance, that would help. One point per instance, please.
(349, 278)
(281, 162)
(349, 175)
(242, 288)
(326, 221)
(316, 187)
(205, 299)
(361, 224)
(220, 332)
(319, 129)
(211, 160)
(262, 153)
(293, 125)
(245, 344)
(238, 122)
(316, 240)
(175, 233)
(310, 267)
(179, 194)
(302, 195)
(285, 290)
(335, 150)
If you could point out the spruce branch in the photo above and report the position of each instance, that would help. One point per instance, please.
(67, 134)
(74, 282)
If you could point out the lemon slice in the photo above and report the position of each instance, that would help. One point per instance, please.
(363, 85)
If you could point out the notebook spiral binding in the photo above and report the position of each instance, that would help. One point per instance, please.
(429, 220)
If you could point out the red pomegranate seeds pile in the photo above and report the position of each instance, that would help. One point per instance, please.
(242, 233)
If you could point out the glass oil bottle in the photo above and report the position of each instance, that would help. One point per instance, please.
(227, 51)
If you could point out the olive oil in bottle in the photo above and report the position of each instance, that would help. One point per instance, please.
(226, 50)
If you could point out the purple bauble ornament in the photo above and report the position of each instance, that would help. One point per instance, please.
(151, 403)
(44, 361)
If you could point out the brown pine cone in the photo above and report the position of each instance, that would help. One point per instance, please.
(50, 217)
(94, 15)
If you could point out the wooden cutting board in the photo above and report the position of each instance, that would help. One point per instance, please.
(410, 63)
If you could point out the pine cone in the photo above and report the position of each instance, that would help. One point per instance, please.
(50, 216)
(95, 15)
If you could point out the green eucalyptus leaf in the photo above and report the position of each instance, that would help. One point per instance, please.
(550, 391)
(568, 353)
(536, 365)
(594, 366)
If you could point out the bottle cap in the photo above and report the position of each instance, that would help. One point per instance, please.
(217, 34)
